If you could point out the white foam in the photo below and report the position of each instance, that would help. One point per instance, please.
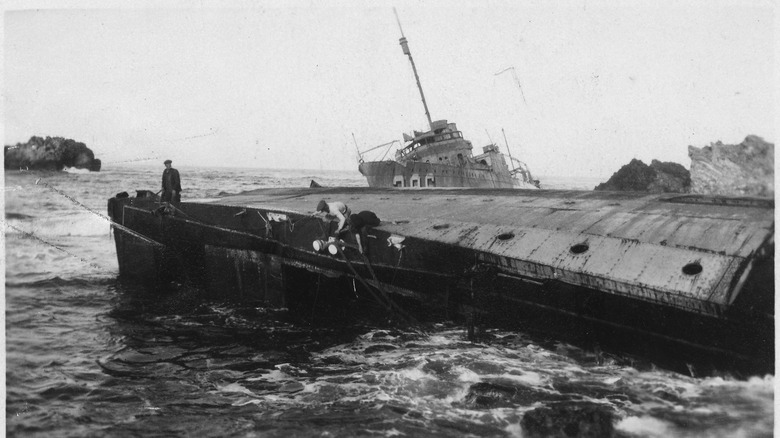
(235, 387)
(514, 430)
(75, 170)
(311, 387)
(407, 375)
(466, 375)
(645, 426)
(271, 376)
(528, 377)
(438, 340)
(247, 401)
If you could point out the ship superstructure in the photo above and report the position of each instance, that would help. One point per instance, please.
(442, 157)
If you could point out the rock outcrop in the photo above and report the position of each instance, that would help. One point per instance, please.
(51, 153)
(658, 177)
(745, 169)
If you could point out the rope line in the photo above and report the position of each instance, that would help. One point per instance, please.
(384, 293)
(33, 236)
(397, 265)
(385, 300)
(112, 222)
(316, 296)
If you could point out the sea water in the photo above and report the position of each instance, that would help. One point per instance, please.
(87, 355)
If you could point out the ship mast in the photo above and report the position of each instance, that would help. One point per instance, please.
(507, 148)
(405, 48)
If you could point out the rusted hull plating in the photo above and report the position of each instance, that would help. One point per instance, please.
(691, 271)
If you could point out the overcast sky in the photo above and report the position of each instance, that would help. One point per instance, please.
(286, 84)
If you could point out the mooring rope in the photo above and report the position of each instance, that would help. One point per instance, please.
(316, 296)
(397, 265)
(33, 236)
(388, 303)
(111, 221)
(377, 298)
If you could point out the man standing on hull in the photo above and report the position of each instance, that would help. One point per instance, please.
(171, 184)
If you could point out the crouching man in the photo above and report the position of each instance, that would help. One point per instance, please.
(337, 209)
(358, 224)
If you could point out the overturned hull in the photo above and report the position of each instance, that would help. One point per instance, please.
(381, 174)
(688, 278)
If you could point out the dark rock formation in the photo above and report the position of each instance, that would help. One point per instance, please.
(745, 169)
(50, 154)
(658, 177)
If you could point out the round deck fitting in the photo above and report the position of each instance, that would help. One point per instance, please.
(579, 248)
(692, 268)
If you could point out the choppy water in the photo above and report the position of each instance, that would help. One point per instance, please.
(88, 356)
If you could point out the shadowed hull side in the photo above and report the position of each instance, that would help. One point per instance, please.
(417, 174)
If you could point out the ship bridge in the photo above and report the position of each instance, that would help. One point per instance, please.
(442, 143)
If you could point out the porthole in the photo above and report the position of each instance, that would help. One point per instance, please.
(441, 226)
(505, 236)
(579, 248)
(692, 268)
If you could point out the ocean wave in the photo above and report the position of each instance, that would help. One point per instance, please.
(75, 170)
(17, 216)
(56, 281)
(58, 224)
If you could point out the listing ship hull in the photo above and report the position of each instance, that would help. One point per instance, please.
(421, 175)
(442, 157)
(680, 279)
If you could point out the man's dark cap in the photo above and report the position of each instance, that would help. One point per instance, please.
(167, 162)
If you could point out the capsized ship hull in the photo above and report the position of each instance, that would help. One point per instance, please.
(683, 278)
(420, 175)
